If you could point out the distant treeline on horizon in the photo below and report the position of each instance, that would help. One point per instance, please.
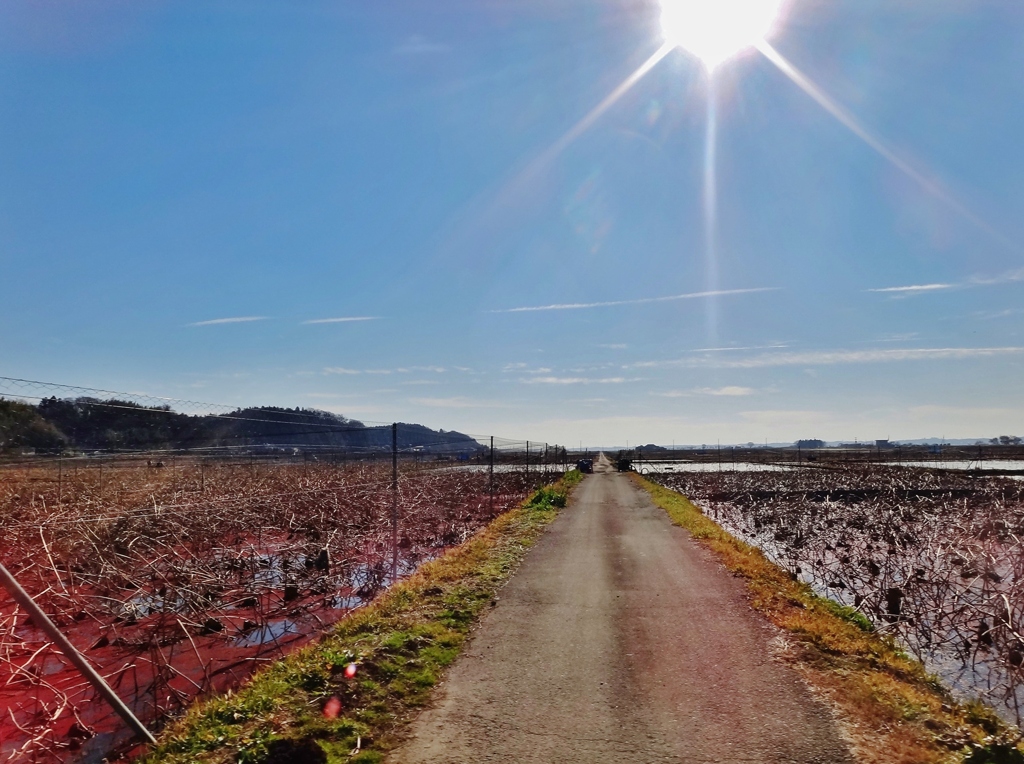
(91, 424)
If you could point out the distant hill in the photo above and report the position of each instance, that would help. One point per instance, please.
(92, 424)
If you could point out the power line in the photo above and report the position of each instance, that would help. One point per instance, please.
(120, 400)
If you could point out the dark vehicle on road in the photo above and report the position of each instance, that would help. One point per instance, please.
(586, 466)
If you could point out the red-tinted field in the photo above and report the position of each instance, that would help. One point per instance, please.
(178, 581)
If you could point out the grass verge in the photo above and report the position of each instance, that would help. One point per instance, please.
(892, 710)
(305, 707)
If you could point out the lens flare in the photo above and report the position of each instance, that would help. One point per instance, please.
(711, 212)
(716, 30)
(929, 184)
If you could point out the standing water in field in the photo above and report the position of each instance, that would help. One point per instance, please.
(933, 557)
(179, 583)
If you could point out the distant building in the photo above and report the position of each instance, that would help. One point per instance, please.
(810, 444)
(883, 443)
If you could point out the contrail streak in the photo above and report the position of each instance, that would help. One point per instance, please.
(341, 320)
(233, 320)
(640, 301)
(850, 122)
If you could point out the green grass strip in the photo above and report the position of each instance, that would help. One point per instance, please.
(401, 643)
(893, 711)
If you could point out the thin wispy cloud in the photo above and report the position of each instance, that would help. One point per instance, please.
(400, 370)
(418, 45)
(524, 368)
(914, 288)
(835, 357)
(330, 396)
(1009, 277)
(1003, 278)
(639, 301)
(988, 315)
(457, 403)
(341, 320)
(736, 349)
(232, 320)
(730, 391)
(578, 380)
(905, 337)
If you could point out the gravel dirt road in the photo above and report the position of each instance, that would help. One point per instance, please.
(621, 640)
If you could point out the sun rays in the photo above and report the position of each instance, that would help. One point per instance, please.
(547, 156)
(848, 121)
(711, 211)
(715, 33)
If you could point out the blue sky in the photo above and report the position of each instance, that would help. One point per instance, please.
(165, 166)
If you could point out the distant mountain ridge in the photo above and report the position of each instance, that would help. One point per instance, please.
(91, 424)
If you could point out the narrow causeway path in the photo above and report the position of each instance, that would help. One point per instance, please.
(621, 640)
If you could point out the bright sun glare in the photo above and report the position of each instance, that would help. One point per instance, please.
(716, 30)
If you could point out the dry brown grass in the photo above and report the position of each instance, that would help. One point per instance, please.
(402, 643)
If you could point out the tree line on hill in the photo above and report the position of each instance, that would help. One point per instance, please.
(89, 424)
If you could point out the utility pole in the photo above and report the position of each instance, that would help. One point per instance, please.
(394, 503)
(43, 621)
(527, 457)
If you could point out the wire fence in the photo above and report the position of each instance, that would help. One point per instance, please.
(991, 458)
(177, 571)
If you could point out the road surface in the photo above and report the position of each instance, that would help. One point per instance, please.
(620, 640)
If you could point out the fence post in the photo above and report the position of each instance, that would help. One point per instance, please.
(60, 477)
(42, 621)
(394, 502)
(527, 457)
(491, 481)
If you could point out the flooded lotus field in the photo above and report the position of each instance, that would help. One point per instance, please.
(932, 556)
(178, 581)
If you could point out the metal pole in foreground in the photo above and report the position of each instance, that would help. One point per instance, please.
(394, 502)
(71, 653)
(491, 488)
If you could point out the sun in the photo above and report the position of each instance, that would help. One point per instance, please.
(716, 30)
